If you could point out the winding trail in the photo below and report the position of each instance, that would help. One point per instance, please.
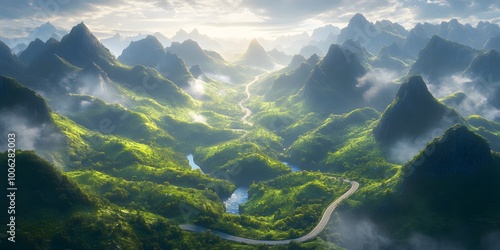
(319, 227)
(247, 111)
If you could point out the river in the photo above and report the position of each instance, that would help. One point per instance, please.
(240, 195)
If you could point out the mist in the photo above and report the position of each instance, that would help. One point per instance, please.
(476, 101)
(219, 77)
(29, 135)
(378, 87)
(196, 88)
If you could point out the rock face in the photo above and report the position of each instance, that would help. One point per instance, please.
(459, 152)
(147, 52)
(23, 102)
(485, 70)
(80, 48)
(332, 83)
(34, 49)
(493, 43)
(442, 58)
(174, 69)
(416, 40)
(256, 56)
(413, 112)
(372, 36)
(9, 63)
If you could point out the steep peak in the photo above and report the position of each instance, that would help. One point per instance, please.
(358, 20)
(296, 61)
(195, 32)
(454, 21)
(313, 60)
(196, 71)
(51, 41)
(181, 32)
(338, 57)
(414, 89)
(255, 46)
(413, 113)
(459, 152)
(189, 43)
(418, 30)
(37, 41)
(5, 50)
(81, 29)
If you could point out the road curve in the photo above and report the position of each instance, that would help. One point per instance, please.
(247, 111)
(321, 225)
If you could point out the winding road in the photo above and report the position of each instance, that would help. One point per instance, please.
(319, 227)
(247, 111)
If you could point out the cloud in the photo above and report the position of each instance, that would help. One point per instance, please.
(196, 88)
(15, 9)
(198, 117)
(290, 9)
(376, 82)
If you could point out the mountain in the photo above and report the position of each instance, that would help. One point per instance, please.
(332, 83)
(323, 33)
(279, 56)
(147, 52)
(459, 152)
(459, 33)
(484, 70)
(413, 113)
(20, 47)
(416, 40)
(392, 57)
(453, 181)
(10, 65)
(309, 50)
(174, 69)
(394, 28)
(290, 83)
(34, 49)
(80, 48)
(203, 40)
(23, 101)
(256, 56)
(117, 43)
(442, 58)
(27, 114)
(165, 41)
(196, 72)
(191, 52)
(493, 43)
(474, 37)
(46, 31)
(296, 61)
(210, 62)
(372, 36)
(363, 55)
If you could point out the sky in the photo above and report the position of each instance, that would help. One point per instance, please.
(230, 18)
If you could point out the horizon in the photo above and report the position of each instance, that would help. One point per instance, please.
(230, 19)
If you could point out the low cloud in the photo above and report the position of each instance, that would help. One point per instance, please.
(219, 77)
(196, 88)
(29, 136)
(476, 101)
(377, 82)
(198, 117)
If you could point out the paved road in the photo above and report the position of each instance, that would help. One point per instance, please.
(321, 225)
(247, 111)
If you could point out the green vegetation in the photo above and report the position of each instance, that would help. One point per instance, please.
(286, 207)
